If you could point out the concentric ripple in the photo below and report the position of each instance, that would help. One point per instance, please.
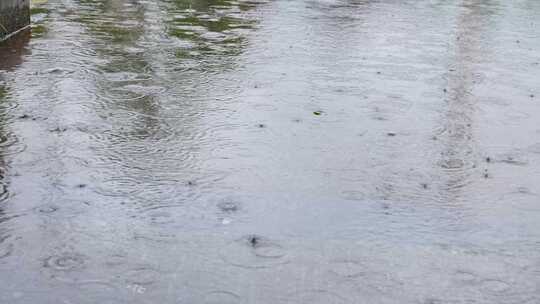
(253, 251)
(65, 262)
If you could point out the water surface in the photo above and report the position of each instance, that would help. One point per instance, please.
(310, 151)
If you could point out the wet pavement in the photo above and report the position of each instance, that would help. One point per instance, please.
(310, 151)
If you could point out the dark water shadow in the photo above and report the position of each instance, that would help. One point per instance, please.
(14, 50)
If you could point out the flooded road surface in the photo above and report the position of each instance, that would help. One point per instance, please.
(310, 151)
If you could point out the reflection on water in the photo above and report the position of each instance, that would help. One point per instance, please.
(460, 156)
(238, 151)
(13, 51)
